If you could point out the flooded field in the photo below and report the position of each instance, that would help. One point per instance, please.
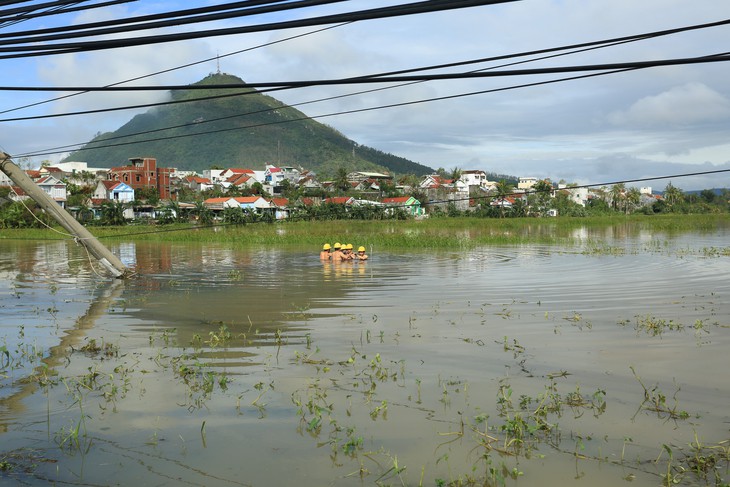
(590, 365)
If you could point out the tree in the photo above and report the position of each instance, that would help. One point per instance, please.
(455, 174)
(504, 189)
(341, 181)
(617, 194)
(673, 196)
(708, 195)
(203, 213)
(112, 213)
(542, 194)
(632, 200)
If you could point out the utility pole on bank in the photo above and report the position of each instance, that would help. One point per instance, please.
(110, 261)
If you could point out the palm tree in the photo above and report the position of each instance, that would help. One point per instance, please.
(542, 190)
(204, 214)
(673, 195)
(617, 193)
(504, 189)
(112, 213)
(633, 199)
(341, 181)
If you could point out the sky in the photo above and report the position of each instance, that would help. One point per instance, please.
(650, 123)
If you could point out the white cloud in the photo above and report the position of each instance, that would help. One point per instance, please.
(692, 103)
(653, 118)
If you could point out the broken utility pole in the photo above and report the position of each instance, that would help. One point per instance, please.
(110, 261)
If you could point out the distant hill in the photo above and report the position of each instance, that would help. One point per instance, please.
(247, 130)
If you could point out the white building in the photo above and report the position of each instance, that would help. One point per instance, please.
(526, 183)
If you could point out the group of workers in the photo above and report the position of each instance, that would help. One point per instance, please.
(341, 253)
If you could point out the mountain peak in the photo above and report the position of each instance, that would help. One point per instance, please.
(239, 127)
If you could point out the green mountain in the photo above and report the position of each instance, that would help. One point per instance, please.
(246, 129)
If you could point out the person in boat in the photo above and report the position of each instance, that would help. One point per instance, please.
(326, 252)
(361, 255)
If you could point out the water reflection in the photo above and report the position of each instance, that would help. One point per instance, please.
(254, 366)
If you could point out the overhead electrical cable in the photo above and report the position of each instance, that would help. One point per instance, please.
(422, 7)
(327, 115)
(55, 8)
(584, 47)
(55, 11)
(720, 57)
(601, 43)
(161, 20)
(282, 106)
(182, 66)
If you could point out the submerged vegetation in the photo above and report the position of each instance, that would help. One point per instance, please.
(344, 402)
(454, 388)
(432, 233)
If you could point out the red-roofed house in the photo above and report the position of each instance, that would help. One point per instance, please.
(114, 191)
(407, 203)
(240, 181)
(281, 208)
(236, 171)
(142, 172)
(54, 188)
(196, 183)
(340, 200)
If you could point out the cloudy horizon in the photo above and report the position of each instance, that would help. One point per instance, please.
(639, 124)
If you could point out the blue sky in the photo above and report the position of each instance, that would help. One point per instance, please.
(647, 123)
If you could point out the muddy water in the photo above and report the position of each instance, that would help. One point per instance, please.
(266, 367)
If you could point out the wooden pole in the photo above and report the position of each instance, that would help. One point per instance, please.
(110, 261)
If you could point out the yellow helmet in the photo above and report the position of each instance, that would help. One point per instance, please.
(326, 247)
(349, 246)
(361, 249)
(338, 245)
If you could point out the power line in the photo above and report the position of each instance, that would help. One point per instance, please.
(584, 47)
(327, 115)
(182, 66)
(710, 58)
(60, 9)
(428, 6)
(158, 21)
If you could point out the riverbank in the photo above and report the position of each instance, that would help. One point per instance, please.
(434, 233)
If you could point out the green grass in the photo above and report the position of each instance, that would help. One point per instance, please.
(457, 233)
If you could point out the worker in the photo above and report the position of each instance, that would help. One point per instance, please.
(361, 255)
(337, 255)
(348, 252)
(326, 252)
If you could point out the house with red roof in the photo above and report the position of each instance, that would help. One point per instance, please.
(407, 203)
(280, 207)
(197, 183)
(54, 188)
(113, 191)
(340, 200)
(142, 172)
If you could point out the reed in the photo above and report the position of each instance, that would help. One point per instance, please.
(433, 233)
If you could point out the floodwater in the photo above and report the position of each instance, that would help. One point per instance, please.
(590, 365)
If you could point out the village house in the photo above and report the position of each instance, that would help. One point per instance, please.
(407, 203)
(578, 196)
(340, 200)
(526, 183)
(113, 191)
(54, 188)
(142, 173)
(280, 207)
(197, 183)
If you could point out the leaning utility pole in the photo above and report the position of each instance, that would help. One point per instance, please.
(110, 261)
